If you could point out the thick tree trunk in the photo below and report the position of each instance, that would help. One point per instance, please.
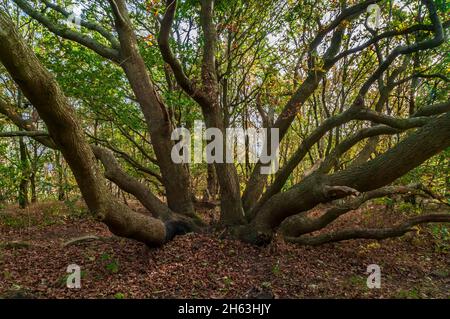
(174, 176)
(43, 92)
(232, 212)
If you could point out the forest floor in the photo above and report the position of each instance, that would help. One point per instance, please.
(34, 257)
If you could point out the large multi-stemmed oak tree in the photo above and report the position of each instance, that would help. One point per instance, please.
(264, 205)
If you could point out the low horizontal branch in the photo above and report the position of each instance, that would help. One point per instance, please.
(24, 133)
(301, 224)
(374, 233)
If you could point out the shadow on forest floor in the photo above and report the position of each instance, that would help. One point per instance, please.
(35, 253)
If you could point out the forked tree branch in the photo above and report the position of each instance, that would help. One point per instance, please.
(169, 57)
(383, 170)
(375, 233)
(300, 224)
(66, 33)
(256, 183)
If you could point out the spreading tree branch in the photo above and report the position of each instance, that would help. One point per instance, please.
(66, 33)
(376, 233)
